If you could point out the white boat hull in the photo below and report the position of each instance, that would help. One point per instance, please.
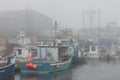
(93, 55)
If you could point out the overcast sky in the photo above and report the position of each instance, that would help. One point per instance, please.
(69, 12)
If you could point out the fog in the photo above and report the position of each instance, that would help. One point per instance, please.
(68, 12)
(92, 26)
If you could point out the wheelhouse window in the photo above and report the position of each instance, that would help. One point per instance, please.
(63, 51)
(34, 53)
(19, 51)
(93, 48)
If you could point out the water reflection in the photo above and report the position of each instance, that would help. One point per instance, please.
(9, 78)
(92, 70)
(97, 70)
(64, 75)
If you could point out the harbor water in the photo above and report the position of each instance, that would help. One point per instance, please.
(92, 70)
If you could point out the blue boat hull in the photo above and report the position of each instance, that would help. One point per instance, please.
(7, 71)
(77, 59)
(46, 67)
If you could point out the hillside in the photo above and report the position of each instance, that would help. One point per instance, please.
(13, 21)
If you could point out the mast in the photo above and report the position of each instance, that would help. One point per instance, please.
(55, 21)
(55, 26)
(83, 16)
(91, 13)
(28, 31)
(99, 21)
(91, 21)
(84, 26)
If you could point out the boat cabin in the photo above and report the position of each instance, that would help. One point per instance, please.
(21, 51)
(51, 53)
(93, 49)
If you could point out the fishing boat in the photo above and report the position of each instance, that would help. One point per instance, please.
(93, 52)
(79, 56)
(113, 53)
(47, 58)
(6, 67)
(20, 48)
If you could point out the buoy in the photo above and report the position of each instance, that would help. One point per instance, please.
(30, 78)
(34, 66)
(30, 65)
(27, 65)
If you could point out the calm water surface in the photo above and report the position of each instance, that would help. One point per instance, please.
(92, 70)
